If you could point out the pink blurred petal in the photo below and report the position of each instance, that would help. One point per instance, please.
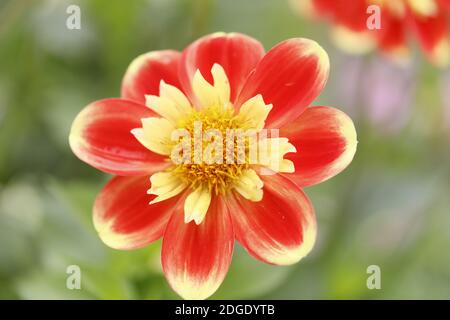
(388, 90)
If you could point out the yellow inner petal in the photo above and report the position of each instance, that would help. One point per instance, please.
(253, 113)
(155, 135)
(165, 185)
(250, 185)
(196, 205)
(272, 152)
(217, 94)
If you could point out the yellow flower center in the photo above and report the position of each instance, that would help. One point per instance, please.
(212, 147)
(216, 176)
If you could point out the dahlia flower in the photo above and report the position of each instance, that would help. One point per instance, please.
(425, 20)
(201, 202)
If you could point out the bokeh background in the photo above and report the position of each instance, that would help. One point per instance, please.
(390, 208)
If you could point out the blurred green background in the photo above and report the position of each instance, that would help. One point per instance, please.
(390, 208)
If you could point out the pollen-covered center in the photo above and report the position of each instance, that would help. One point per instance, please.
(219, 152)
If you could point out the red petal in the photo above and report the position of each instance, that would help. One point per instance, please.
(100, 136)
(445, 4)
(123, 216)
(432, 32)
(195, 258)
(145, 73)
(353, 16)
(238, 54)
(392, 36)
(290, 76)
(279, 229)
(325, 139)
(324, 7)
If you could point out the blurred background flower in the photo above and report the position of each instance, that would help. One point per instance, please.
(377, 91)
(360, 26)
(389, 208)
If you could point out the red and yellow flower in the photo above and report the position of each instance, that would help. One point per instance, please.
(226, 81)
(426, 20)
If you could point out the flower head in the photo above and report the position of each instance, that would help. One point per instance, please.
(354, 29)
(211, 145)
